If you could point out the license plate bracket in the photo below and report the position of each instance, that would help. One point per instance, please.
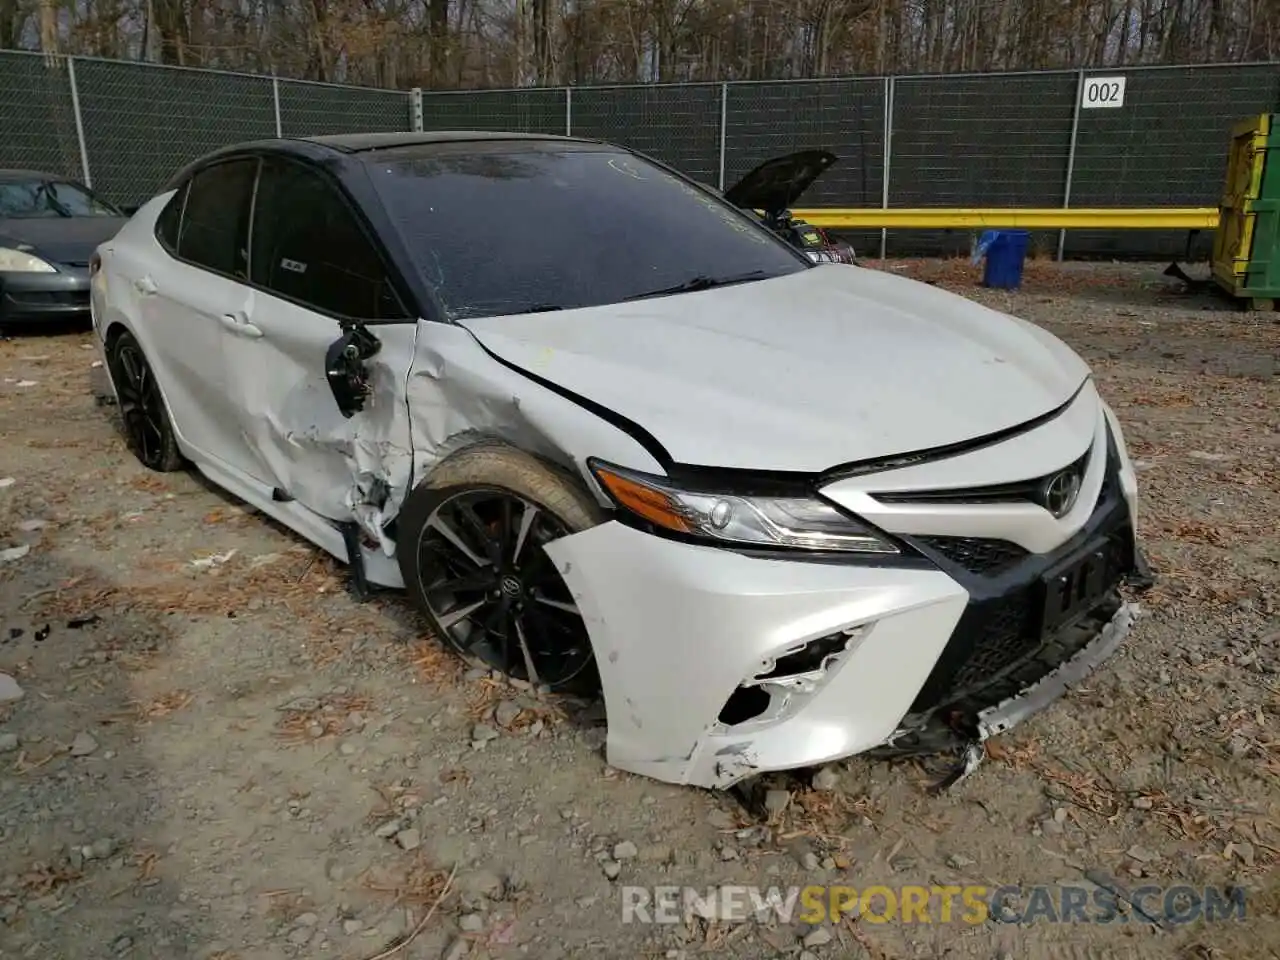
(1073, 587)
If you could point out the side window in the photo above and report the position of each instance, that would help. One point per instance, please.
(170, 219)
(308, 247)
(215, 223)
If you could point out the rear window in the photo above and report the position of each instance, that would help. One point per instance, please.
(514, 228)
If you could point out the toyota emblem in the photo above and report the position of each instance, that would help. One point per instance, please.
(1060, 493)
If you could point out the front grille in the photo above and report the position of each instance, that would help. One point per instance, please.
(1020, 491)
(976, 554)
(1000, 633)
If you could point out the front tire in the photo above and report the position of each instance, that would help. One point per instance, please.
(147, 429)
(470, 548)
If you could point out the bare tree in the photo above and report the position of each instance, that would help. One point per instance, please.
(469, 43)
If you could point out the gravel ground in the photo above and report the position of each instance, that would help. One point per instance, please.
(217, 754)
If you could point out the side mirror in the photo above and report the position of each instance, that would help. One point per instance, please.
(344, 368)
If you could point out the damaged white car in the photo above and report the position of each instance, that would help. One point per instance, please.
(612, 434)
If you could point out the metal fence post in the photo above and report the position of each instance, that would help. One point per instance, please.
(415, 109)
(275, 99)
(1071, 158)
(888, 161)
(75, 106)
(568, 111)
(724, 128)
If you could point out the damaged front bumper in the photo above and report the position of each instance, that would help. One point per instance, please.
(717, 666)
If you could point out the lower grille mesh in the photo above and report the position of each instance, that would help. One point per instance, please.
(975, 554)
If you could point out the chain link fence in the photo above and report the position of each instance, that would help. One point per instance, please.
(126, 128)
(991, 140)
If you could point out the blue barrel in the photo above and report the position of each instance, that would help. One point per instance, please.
(1006, 252)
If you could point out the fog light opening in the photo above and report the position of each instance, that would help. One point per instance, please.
(745, 703)
(809, 658)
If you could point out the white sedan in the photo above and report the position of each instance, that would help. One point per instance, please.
(613, 436)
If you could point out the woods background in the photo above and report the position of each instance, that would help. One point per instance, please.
(454, 44)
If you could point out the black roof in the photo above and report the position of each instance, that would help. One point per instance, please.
(361, 142)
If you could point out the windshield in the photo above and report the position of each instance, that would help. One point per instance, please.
(28, 199)
(510, 228)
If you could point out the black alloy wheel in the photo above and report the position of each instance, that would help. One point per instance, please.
(146, 422)
(494, 593)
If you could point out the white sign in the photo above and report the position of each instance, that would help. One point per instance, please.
(1101, 92)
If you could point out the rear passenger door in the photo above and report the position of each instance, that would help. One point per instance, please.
(200, 280)
(314, 266)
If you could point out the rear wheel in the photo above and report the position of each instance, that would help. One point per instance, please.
(146, 421)
(470, 548)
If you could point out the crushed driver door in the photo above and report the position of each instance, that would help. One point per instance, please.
(321, 398)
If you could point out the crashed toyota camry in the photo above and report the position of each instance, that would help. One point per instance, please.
(613, 435)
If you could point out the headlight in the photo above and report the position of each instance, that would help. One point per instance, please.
(16, 261)
(801, 523)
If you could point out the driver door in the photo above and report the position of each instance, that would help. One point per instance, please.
(313, 265)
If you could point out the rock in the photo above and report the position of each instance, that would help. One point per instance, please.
(480, 883)
(8, 742)
(9, 689)
(301, 936)
(409, 839)
(122, 944)
(308, 919)
(99, 849)
(388, 830)
(775, 801)
(505, 714)
(958, 861)
(1143, 803)
(1243, 851)
(624, 850)
(828, 778)
(728, 853)
(457, 950)
(483, 733)
(348, 749)
(612, 868)
(1060, 815)
(352, 926)
(1051, 826)
(818, 938)
(395, 926)
(83, 745)
(1141, 854)
(14, 553)
(471, 923)
(721, 820)
(810, 861)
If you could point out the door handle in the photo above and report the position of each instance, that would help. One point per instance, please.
(145, 286)
(239, 324)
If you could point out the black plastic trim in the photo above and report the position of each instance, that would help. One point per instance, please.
(931, 454)
(637, 433)
(1028, 491)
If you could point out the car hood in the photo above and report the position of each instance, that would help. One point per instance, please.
(60, 239)
(798, 373)
(778, 183)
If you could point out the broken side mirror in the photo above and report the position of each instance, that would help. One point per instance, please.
(345, 370)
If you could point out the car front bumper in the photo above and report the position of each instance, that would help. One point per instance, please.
(901, 657)
(51, 297)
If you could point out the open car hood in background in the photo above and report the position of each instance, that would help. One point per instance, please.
(778, 183)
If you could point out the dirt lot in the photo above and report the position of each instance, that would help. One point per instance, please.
(218, 754)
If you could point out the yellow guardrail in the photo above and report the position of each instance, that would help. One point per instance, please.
(1053, 218)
